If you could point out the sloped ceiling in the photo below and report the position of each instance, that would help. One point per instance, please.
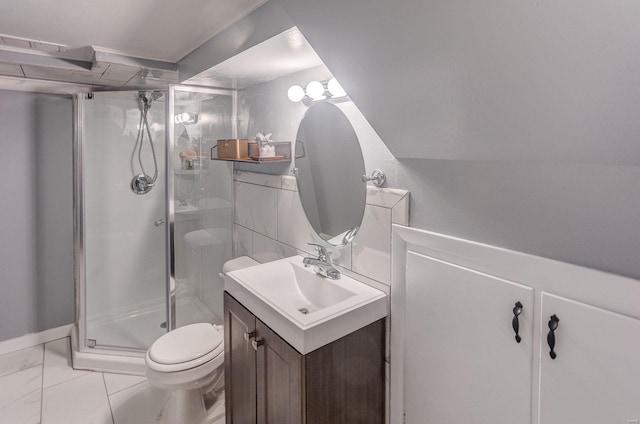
(284, 54)
(151, 29)
(492, 80)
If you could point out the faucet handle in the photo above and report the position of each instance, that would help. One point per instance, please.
(323, 254)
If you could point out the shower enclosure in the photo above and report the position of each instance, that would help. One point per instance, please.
(154, 218)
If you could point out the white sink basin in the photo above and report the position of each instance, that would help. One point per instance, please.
(306, 310)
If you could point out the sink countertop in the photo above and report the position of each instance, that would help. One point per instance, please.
(306, 310)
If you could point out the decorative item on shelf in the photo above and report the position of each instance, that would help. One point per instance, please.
(233, 149)
(266, 149)
(254, 148)
(188, 157)
(262, 149)
(264, 142)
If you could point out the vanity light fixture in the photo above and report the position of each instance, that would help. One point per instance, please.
(316, 90)
(186, 118)
(335, 88)
(296, 93)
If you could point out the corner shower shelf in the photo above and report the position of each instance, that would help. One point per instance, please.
(282, 151)
(256, 161)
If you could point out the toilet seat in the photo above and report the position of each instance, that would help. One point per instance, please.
(185, 348)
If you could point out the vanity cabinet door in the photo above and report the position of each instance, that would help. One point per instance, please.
(239, 363)
(344, 381)
(269, 382)
(595, 376)
(279, 379)
(462, 361)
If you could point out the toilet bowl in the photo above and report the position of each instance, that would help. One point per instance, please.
(185, 362)
(188, 362)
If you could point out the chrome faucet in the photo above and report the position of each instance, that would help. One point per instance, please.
(322, 264)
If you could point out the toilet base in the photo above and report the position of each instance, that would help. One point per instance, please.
(186, 407)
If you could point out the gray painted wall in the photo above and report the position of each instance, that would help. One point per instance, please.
(516, 124)
(36, 213)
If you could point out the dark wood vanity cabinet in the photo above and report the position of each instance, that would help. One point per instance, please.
(269, 382)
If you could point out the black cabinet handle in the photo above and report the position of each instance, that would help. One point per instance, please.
(517, 310)
(551, 337)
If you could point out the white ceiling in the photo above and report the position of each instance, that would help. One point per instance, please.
(278, 56)
(165, 30)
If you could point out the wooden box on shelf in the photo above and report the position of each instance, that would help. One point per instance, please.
(233, 149)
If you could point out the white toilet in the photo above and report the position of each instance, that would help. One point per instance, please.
(188, 362)
(185, 362)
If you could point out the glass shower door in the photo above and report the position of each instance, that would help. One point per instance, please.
(202, 201)
(124, 233)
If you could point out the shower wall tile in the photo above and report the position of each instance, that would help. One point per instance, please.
(242, 241)
(266, 249)
(267, 180)
(21, 360)
(400, 212)
(367, 258)
(372, 245)
(293, 227)
(384, 197)
(256, 208)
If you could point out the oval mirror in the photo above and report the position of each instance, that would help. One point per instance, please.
(329, 172)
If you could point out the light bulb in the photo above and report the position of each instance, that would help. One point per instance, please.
(186, 118)
(295, 93)
(315, 90)
(335, 88)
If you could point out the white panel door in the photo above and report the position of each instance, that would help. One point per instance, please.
(462, 362)
(595, 378)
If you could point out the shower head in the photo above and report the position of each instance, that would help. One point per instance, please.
(155, 95)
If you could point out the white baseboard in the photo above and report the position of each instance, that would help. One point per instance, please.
(34, 339)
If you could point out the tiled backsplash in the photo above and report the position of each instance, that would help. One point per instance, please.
(270, 224)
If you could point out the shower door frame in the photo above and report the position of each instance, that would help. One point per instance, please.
(112, 359)
(79, 335)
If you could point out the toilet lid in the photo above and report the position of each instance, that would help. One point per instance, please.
(185, 344)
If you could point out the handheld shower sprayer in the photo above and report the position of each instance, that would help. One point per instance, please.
(142, 183)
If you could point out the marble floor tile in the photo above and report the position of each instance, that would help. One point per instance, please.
(77, 397)
(82, 400)
(118, 382)
(21, 360)
(20, 394)
(57, 363)
(140, 404)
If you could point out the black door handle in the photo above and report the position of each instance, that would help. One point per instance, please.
(517, 310)
(551, 337)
